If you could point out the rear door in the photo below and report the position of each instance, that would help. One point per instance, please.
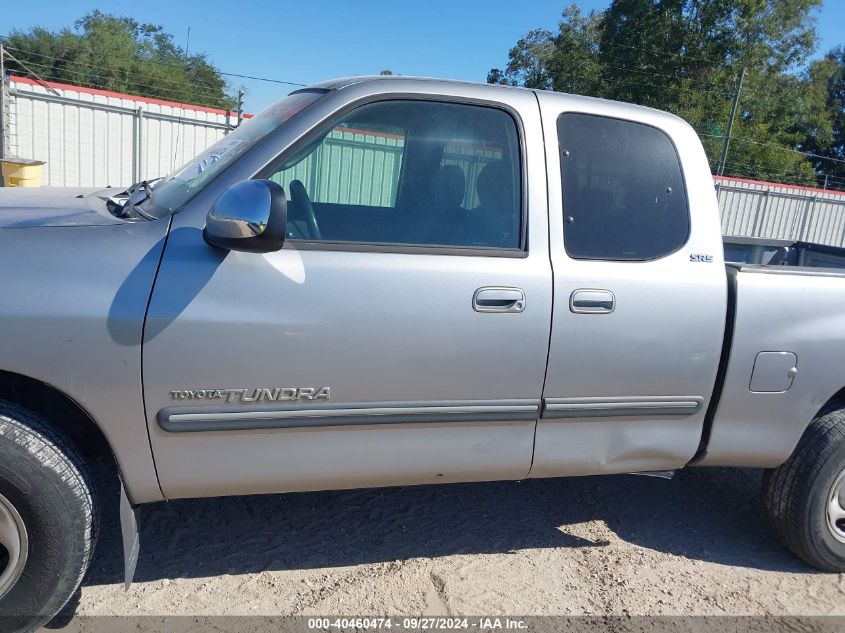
(404, 342)
(639, 290)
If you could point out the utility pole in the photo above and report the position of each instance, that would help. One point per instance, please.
(825, 182)
(727, 142)
(240, 106)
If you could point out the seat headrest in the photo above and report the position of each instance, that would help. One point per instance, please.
(448, 185)
(495, 185)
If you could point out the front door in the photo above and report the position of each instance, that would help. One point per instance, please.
(399, 337)
(640, 291)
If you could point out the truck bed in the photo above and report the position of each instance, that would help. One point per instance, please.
(789, 270)
(796, 310)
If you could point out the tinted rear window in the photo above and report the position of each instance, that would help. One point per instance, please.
(623, 190)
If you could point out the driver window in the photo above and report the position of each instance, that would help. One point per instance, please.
(408, 172)
(351, 166)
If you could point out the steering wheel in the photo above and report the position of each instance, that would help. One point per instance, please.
(299, 198)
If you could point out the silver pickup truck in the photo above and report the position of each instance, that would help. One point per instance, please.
(394, 281)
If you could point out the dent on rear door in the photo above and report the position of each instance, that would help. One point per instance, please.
(638, 316)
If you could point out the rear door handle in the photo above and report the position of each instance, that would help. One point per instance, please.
(498, 299)
(590, 301)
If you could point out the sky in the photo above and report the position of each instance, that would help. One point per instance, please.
(306, 42)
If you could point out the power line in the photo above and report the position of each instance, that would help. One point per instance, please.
(635, 82)
(795, 151)
(757, 173)
(29, 70)
(76, 62)
(97, 69)
(275, 81)
(682, 56)
(769, 172)
(170, 64)
(173, 94)
(664, 75)
(774, 146)
(749, 170)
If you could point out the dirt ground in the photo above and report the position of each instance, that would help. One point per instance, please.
(698, 544)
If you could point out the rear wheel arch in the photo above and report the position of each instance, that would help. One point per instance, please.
(834, 403)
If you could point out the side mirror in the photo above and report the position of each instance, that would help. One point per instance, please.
(251, 216)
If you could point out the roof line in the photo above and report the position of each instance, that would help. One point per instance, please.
(781, 185)
(121, 95)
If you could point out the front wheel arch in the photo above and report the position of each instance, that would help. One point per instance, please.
(59, 411)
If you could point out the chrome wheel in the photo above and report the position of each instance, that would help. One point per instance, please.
(836, 508)
(14, 546)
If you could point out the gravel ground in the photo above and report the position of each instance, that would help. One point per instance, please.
(698, 544)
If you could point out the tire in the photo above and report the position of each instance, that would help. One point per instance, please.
(47, 487)
(799, 495)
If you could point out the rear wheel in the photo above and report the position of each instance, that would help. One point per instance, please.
(805, 496)
(47, 520)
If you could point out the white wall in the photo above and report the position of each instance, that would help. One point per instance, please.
(777, 211)
(84, 144)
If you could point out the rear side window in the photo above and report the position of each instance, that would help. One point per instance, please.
(623, 190)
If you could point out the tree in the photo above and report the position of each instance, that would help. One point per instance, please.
(684, 56)
(120, 54)
(829, 151)
(566, 61)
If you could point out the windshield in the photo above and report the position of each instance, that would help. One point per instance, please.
(173, 191)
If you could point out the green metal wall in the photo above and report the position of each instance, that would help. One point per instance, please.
(363, 167)
(350, 167)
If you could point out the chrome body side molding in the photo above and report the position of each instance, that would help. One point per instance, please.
(615, 407)
(193, 419)
(197, 419)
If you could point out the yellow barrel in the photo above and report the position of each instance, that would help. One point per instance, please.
(22, 172)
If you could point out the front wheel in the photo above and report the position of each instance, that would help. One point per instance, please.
(805, 496)
(47, 520)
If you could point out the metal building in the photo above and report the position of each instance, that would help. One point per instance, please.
(751, 208)
(92, 137)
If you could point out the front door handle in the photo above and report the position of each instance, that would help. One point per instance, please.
(498, 299)
(590, 301)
